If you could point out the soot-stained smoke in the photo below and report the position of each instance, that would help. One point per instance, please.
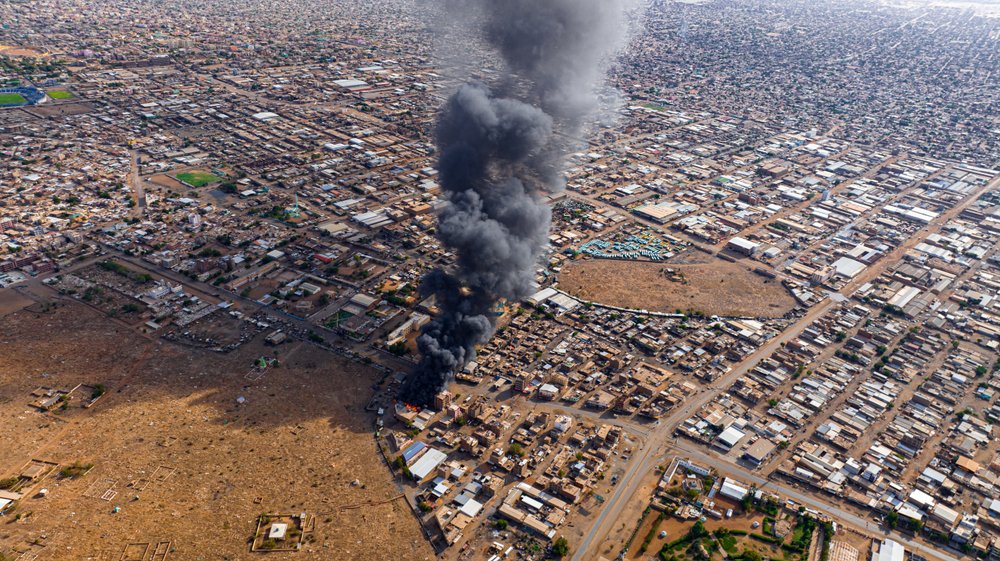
(497, 157)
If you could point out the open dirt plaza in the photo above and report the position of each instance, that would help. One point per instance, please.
(186, 451)
(715, 287)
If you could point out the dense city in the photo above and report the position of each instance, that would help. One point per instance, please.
(765, 324)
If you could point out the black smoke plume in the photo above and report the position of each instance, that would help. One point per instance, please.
(497, 157)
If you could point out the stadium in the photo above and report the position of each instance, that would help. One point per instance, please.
(21, 96)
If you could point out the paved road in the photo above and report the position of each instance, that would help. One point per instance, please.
(695, 453)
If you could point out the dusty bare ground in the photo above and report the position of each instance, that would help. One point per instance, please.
(63, 108)
(163, 180)
(204, 466)
(714, 288)
(16, 51)
(11, 301)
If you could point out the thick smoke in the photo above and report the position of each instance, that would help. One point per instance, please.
(497, 157)
(560, 46)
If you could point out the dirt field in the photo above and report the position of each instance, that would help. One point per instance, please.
(11, 301)
(57, 110)
(18, 51)
(179, 458)
(163, 180)
(714, 288)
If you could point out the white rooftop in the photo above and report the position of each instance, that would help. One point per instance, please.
(847, 267)
(890, 551)
(278, 530)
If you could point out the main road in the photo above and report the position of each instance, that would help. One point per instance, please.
(845, 517)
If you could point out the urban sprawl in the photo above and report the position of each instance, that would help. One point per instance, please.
(766, 326)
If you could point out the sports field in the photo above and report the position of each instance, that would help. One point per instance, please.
(12, 99)
(60, 95)
(197, 178)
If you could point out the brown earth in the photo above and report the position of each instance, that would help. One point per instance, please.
(714, 288)
(163, 180)
(12, 301)
(19, 52)
(61, 108)
(204, 466)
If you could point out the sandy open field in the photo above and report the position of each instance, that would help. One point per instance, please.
(60, 109)
(713, 288)
(163, 180)
(181, 459)
(12, 301)
(15, 51)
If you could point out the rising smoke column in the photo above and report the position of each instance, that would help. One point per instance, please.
(498, 156)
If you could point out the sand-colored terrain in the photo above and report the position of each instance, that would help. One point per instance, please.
(11, 301)
(182, 461)
(17, 51)
(714, 288)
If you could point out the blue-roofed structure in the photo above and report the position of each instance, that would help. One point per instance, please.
(412, 451)
(31, 95)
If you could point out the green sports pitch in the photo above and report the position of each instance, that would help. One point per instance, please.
(12, 99)
(197, 178)
(60, 95)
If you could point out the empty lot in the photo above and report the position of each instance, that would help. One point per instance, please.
(181, 459)
(715, 287)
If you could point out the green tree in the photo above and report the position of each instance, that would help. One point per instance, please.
(747, 501)
(697, 531)
(892, 519)
(560, 547)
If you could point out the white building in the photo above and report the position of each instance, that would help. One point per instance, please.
(427, 463)
(742, 246)
(733, 490)
(889, 551)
